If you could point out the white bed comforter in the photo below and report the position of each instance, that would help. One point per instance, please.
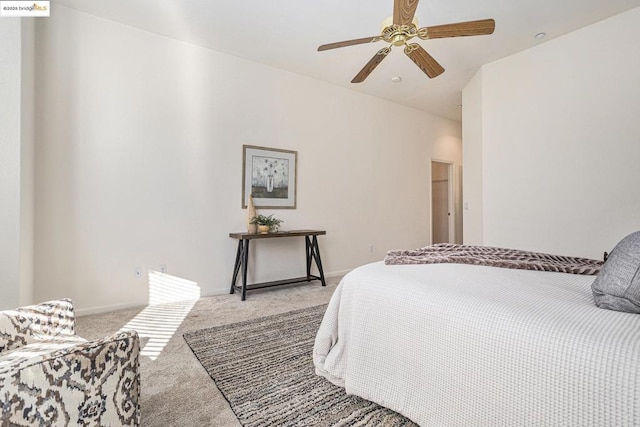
(464, 345)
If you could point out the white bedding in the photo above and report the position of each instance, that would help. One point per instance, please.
(464, 345)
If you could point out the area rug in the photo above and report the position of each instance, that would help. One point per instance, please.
(264, 369)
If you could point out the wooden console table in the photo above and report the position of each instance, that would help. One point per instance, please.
(242, 258)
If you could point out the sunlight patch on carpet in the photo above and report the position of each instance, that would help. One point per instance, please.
(171, 299)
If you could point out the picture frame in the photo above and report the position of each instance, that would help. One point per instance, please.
(270, 175)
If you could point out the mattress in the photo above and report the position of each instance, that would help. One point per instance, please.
(466, 345)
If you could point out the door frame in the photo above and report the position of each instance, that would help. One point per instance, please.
(451, 167)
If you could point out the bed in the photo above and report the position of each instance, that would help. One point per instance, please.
(472, 345)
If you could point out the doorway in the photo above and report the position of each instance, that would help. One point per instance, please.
(442, 203)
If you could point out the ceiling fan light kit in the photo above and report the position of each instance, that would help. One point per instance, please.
(398, 29)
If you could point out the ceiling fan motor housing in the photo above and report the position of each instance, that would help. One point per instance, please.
(398, 34)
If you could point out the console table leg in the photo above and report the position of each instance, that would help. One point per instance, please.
(245, 262)
(307, 244)
(315, 251)
(236, 267)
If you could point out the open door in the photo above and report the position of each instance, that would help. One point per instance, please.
(442, 203)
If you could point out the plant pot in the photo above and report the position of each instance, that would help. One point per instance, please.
(264, 229)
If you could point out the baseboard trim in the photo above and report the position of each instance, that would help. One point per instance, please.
(214, 292)
(104, 309)
(337, 273)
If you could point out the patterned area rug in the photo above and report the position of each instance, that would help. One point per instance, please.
(264, 369)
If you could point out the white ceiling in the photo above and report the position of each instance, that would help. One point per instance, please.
(286, 33)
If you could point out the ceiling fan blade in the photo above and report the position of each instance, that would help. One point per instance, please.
(371, 65)
(403, 11)
(460, 29)
(348, 43)
(430, 66)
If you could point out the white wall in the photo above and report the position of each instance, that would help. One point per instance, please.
(139, 159)
(560, 144)
(10, 162)
(16, 161)
(27, 159)
(472, 159)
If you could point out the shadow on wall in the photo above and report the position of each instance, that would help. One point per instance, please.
(171, 299)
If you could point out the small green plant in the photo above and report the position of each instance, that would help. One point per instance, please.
(266, 220)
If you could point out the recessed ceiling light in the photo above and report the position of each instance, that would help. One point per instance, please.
(396, 79)
(540, 36)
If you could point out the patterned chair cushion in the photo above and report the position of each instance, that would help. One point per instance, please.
(14, 330)
(43, 346)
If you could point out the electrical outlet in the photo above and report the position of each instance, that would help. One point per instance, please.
(371, 248)
(138, 272)
(163, 268)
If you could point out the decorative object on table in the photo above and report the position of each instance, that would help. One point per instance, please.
(266, 223)
(298, 396)
(269, 176)
(251, 213)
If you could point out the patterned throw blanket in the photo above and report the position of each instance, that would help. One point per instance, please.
(494, 257)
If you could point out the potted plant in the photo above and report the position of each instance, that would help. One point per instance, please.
(266, 223)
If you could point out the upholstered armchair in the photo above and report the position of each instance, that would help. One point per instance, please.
(49, 376)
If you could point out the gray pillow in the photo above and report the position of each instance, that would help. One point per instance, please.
(617, 286)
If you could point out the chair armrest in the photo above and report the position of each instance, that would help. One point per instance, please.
(14, 330)
(91, 383)
(51, 317)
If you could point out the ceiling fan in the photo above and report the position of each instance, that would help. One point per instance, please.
(402, 27)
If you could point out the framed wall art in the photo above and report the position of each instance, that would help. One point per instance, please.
(269, 175)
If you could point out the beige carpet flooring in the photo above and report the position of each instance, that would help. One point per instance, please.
(176, 390)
